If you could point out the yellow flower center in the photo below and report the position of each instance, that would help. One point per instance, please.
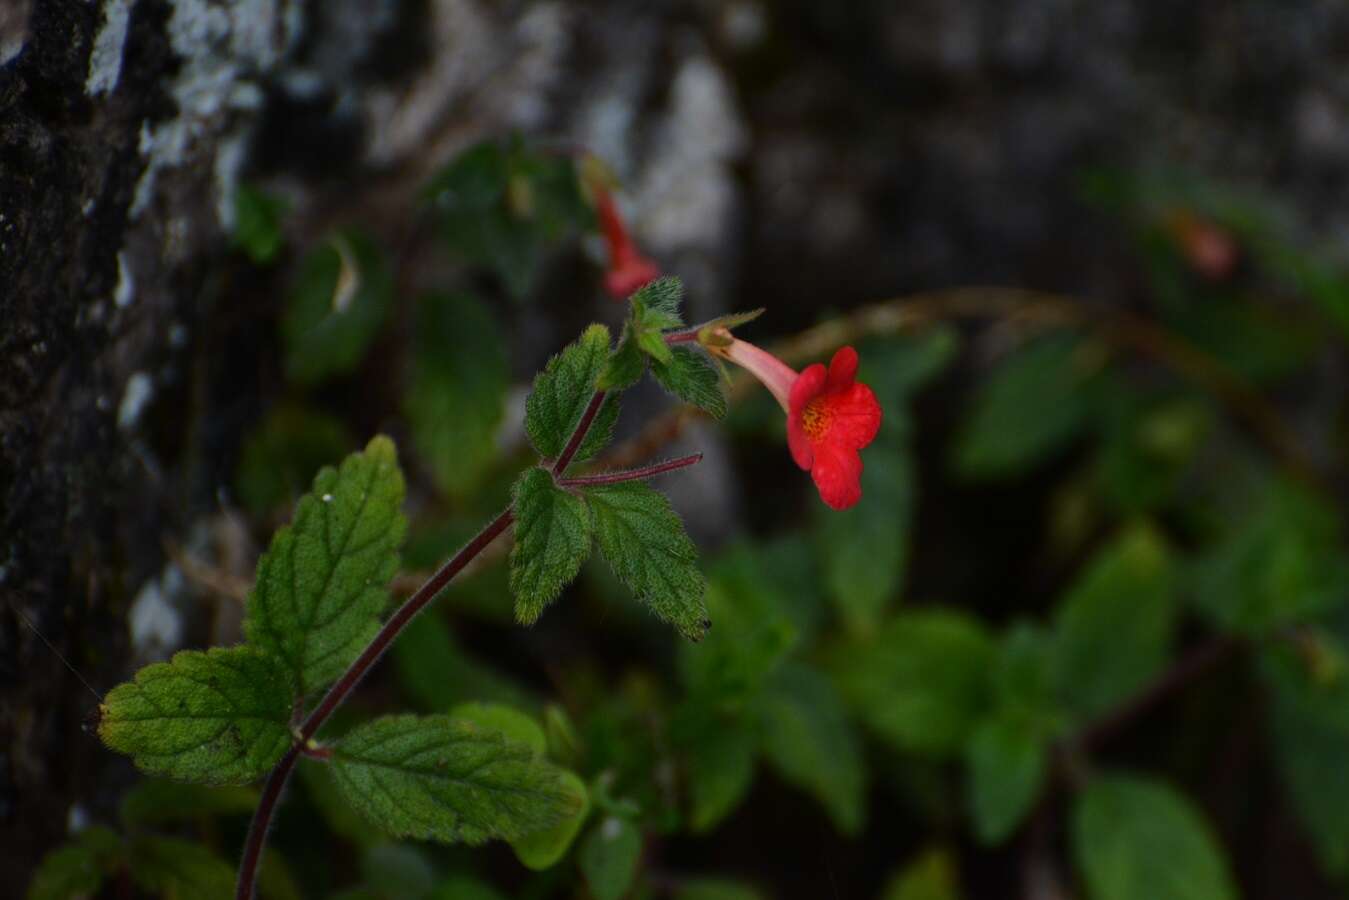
(815, 419)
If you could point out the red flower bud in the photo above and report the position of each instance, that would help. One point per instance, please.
(628, 268)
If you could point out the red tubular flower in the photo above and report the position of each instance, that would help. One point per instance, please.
(628, 268)
(830, 416)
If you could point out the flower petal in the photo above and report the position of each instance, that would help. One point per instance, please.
(842, 369)
(838, 474)
(807, 386)
(854, 417)
(802, 453)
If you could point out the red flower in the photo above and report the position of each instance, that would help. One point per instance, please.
(829, 416)
(628, 268)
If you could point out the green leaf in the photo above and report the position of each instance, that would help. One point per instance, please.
(644, 542)
(1034, 404)
(154, 802)
(511, 724)
(1136, 839)
(217, 717)
(754, 633)
(1007, 759)
(562, 391)
(552, 540)
(544, 848)
(1308, 725)
(609, 856)
(716, 889)
(1279, 562)
(864, 550)
(342, 820)
(169, 867)
(280, 458)
(922, 682)
(652, 343)
(657, 303)
(257, 223)
(456, 399)
(690, 377)
(809, 739)
(435, 778)
(626, 365)
(335, 308)
(79, 868)
(720, 771)
(397, 871)
(1113, 630)
(321, 584)
(932, 876)
(463, 887)
(275, 879)
(437, 672)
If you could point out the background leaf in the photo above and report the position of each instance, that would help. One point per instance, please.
(1008, 761)
(321, 583)
(1114, 627)
(79, 868)
(170, 867)
(219, 717)
(336, 307)
(544, 848)
(456, 399)
(922, 681)
(609, 856)
(1136, 839)
(439, 779)
(932, 876)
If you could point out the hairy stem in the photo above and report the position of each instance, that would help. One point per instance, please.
(582, 427)
(660, 468)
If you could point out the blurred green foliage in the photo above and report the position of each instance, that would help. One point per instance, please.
(842, 668)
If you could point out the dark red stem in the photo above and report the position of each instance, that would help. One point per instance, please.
(578, 435)
(650, 471)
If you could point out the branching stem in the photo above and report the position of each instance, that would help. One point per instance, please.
(651, 471)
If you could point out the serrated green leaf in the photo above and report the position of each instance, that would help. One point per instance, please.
(1136, 839)
(173, 868)
(218, 717)
(1034, 404)
(864, 550)
(153, 802)
(435, 778)
(1113, 630)
(922, 682)
(336, 307)
(1007, 761)
(280, 458)
(626, 365)
(721, 771)
(496, 718)
(79, 868)
(932, 876)
(657, 303)
(552, 540)
(643, 540)
(321, 584)
(1279, 562)
(809, 739)
(690, 377)
(708, 331)
(437, 672)
(544, 848)
(257, 223)
(456, 399)
(651, 343)
(608, 857)
(562, 391)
